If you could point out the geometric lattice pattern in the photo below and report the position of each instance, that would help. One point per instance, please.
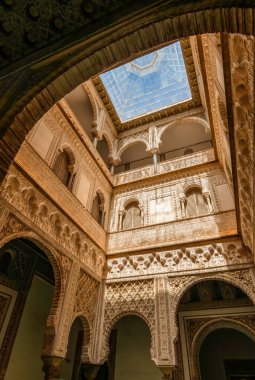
(196, 203)
(132, 217)
(147, 84)
(86, 297)
(125, 298)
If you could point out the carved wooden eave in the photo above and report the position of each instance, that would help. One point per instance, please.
(161, 114)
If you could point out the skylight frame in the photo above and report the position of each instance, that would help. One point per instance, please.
(153, 93)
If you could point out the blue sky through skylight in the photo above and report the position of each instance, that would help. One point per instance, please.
(147, 84)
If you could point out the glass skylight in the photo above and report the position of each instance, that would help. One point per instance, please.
(147, 84)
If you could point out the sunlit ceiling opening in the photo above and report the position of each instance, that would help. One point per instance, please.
(148, 84)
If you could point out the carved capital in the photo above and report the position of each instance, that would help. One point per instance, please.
(51, 367)
(168, 372)
(89, 371)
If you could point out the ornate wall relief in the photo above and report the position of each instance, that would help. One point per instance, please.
(172, 233)
(165, 329)
(124, 298)
(207, 257)
(86, 299)
(242, 79)
(37, 208)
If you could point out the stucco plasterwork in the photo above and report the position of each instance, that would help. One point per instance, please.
(176, 232)
(242, 79)
(21, 194)
(127, 298)
(75, 292)
(243, 279)
(28, 160)
(210, 256)
(86, 299)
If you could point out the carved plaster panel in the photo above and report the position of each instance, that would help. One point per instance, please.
(210, 256)
(86, 297)
(127, 298)
(19, 192)
(207, 178)
(85, 306)
(242, 78)
(60, 194)
(176, 232)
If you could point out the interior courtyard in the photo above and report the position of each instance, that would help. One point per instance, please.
(126, 190)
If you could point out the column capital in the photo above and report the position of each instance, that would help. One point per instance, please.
(51, 367)
(154, 150)
(113, 160)
(167, 372)
(90, 370)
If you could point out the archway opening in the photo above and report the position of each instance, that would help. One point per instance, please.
(133, 157)
(132, 359)
(227, 354)
(206, 306)
(70, 368)
(183, 139)
(27, 285)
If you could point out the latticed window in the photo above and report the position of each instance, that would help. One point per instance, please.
(132, 217)
(196, 204)
(97, 209)
(61, 167)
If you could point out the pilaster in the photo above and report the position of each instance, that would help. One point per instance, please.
(165, 331)
(62, 334)
(97, 353)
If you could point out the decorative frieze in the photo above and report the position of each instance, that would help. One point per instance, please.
(210, 256)
(176, 232)
(21, 194)
(39, 172)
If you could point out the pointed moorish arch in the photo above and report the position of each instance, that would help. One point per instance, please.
(157, 26)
